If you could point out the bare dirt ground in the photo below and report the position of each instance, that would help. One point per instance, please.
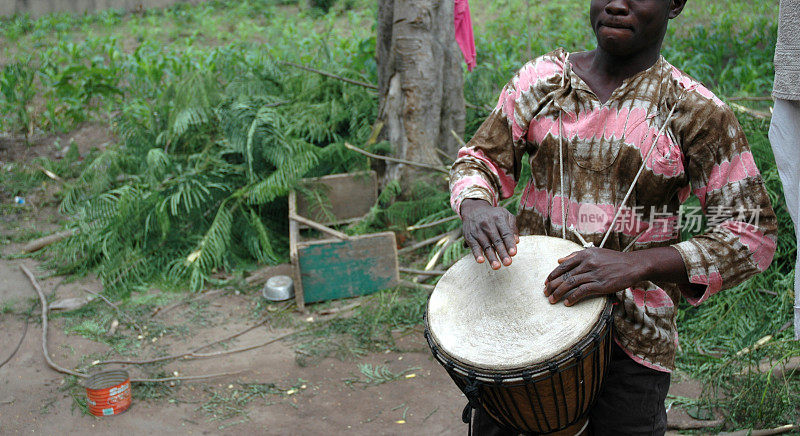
(314, 399)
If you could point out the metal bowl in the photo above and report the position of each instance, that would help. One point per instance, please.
(278, 288)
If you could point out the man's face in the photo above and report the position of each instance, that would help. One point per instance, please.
(625, 27)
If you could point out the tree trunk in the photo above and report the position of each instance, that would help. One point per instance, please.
(420, 84)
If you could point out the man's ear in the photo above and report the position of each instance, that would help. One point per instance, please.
(676, 7)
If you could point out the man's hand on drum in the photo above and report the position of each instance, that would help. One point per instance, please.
(491, 232)
(591, 272)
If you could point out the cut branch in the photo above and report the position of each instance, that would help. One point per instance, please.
(396, 160)
(695, 424)
(43, 301)
(38, 244)
(332, 76)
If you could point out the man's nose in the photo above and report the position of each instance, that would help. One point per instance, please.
(617, 7)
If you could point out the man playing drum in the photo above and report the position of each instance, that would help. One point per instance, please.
(588, 120)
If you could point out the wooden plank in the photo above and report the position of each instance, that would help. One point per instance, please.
(334, 269)
(318, 226)
(348, 196)
(294, 233)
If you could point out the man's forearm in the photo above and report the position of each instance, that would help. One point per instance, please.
(665, 264)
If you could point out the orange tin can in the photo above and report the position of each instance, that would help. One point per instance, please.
(108, 393)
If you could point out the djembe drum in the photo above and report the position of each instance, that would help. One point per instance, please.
(536, 368)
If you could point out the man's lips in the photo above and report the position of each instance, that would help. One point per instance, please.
(616, 26)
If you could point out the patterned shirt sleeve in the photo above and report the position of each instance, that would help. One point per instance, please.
(741, 237)
(488, 166)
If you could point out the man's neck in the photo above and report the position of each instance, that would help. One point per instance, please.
(619, 68)
(604, 72)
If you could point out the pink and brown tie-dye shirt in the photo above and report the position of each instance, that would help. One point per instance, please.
(702, 150)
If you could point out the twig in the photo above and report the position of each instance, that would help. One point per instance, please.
(19, 344)
(333, 76)
(43, 301)
(752, 112)
(695, 424)
(749, 98)
(119, 311)
(433, 223)
(187, 355)
(50, 174)
(158, 310)
(768, 292)
(767, 432)
(394, 159)
(444, 155)
(410, 284)
(421, 272)
(335, 310)
(425, 242)
(38, 244)
(458, 138)
(446, 242)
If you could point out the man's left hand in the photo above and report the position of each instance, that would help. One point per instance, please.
(592, 272)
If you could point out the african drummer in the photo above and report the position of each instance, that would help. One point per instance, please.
(618, 139)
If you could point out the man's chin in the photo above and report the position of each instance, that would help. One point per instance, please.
(617, 47)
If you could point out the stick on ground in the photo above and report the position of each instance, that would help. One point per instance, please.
(62, 370)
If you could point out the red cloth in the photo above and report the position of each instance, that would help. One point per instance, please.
(464, 38)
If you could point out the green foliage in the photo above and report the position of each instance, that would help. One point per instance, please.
(16, 93)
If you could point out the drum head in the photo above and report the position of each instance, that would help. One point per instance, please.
(501, 320)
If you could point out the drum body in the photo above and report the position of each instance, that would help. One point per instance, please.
(535, 368)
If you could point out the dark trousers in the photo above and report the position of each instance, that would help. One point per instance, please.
(631, 402)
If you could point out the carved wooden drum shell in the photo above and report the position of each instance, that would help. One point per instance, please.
(535, 367)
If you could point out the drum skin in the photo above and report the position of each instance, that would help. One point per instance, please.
(552, 396)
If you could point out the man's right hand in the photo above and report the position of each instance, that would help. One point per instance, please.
(491, 232)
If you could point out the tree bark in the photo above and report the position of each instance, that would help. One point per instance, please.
(420, 84)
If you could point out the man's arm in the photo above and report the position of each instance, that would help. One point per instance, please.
(598, 271)
(724, 177)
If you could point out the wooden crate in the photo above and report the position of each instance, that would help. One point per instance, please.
(339, 266)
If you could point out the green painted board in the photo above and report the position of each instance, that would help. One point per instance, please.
(332, 269)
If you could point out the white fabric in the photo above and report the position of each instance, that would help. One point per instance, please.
(501, 320)
(784, 135)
